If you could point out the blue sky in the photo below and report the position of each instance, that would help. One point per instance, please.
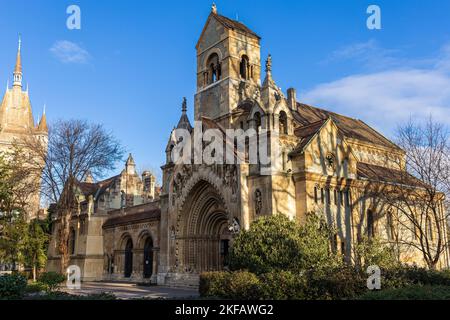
(132, 61)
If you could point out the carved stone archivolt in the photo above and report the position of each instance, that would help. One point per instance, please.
(203, 217)
(219, 175)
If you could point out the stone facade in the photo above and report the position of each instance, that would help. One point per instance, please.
(98, 224)
(325, 164)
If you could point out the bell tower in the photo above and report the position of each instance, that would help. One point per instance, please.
(228, 58)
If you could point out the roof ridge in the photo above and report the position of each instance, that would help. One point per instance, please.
(234, 24)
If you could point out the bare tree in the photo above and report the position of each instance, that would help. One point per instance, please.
(74, 149)
(417, 193)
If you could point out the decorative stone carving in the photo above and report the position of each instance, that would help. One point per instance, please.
(230, 178)
(258, 202)
(235, 226)
(330, 161)
(122, 199)
(180, 180)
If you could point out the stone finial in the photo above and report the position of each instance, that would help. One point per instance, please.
(184, 105)
(214, 8)
(269, 64)
(89, 178)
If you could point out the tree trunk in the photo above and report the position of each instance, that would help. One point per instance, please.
(63, 241)
(34, 273)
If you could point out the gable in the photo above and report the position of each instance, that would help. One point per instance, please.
(349, 127)
(219, 25)
(212, 32)
(327, 153)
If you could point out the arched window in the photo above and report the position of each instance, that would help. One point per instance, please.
(328, 196)
(283, 123)
(257, 119)
(214, 68)
(315, 195)
(72, 241)
(148, 258)
(370, 224)
(128, 261)
(244, 69)
(429, 228)
(390, 225)
(347, 198)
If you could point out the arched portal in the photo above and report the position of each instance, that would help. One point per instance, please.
(128, 264)
(148, 258)
(203, 236)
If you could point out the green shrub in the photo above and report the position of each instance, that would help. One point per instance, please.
(36, 287)
(271, 243)
(414, 292)
(12, 286)
(340, 283)
(406, 276)
(212, 284)
(67, 296)
(335, 284)
(51, 280)
(243, 285)
(373, 252)
(276, 243)
(283, 285)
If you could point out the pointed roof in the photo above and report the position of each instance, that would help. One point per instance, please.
(89, 178)
(228, 24)
(184, 120)
(18, 67)
(235, 25)
(130, 161)
(43, 122)
(268, 80)
(349, 127)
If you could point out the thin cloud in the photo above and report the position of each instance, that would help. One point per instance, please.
(69, 52)
(391, 96)
(369, 54)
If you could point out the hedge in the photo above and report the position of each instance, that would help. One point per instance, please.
(414, 292)
(334, 284)
(12, 286)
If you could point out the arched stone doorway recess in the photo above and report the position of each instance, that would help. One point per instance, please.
(128, 261)
(148, 257)
(202, 235)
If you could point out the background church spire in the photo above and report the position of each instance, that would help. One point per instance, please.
(18, 67)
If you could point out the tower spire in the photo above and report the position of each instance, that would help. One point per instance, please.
(18, 68)
(184, 120)
(42, 126)
(184, 106)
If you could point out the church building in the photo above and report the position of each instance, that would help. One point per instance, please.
(171, 236)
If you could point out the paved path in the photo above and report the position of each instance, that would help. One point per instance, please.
(133, 291)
